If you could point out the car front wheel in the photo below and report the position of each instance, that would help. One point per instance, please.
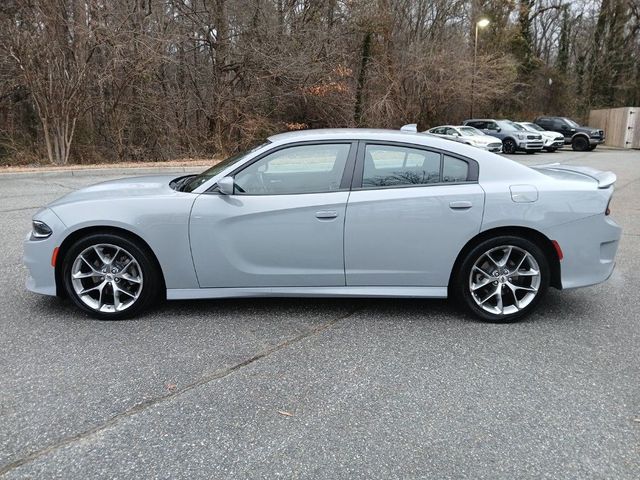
(502, 279)
(109, 276)
(509, 146)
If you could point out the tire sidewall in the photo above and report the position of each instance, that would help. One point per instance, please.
(580, 144)
(511, 143)
(150, 287)
(462, 292)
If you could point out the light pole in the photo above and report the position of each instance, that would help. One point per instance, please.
(482, 23)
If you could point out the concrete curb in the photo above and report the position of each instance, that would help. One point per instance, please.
(109, 171)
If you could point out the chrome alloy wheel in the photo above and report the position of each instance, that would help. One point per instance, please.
(504, 280)
(106, 278)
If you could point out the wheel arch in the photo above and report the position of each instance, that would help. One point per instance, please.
(525, 232)
(580, 134)
(104, 229)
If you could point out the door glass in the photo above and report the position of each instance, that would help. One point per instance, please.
(300, 169)
(454, 170)
(386, 165)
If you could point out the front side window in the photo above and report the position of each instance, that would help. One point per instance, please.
(386, 165)
(293, 170)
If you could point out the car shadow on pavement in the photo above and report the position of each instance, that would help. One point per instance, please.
(555, 307)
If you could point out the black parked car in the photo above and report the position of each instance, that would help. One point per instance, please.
(580, 138)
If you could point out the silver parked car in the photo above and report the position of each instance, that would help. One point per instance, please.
(552, 140)
(346, 212)
(469, 136)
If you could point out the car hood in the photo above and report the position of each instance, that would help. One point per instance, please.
(486, 140)
(550, 134)
(133, 187)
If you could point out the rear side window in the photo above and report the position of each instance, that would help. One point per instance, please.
(454, 170)
(396, 166)
(477, 124)
(386, 165)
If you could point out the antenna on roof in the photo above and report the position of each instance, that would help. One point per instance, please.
(410, 127)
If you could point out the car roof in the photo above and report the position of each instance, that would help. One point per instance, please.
(344, 134)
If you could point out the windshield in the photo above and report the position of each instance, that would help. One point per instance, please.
(516, 126)
(533, 126)
(508, 125)
(470, 132)
(198, 180)
(571, 122)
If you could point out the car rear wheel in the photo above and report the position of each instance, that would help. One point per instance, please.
(502, 279)
(509, 146)
(110, 276)
(580, 144)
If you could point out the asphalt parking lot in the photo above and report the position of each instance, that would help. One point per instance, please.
(308, 388)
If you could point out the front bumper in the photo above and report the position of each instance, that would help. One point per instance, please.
(552, 143)
(38, 255)
(492, 147)
(589, 246)
(530, 145)
(596, 140)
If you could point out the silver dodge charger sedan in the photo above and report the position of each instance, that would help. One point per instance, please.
(318, 213)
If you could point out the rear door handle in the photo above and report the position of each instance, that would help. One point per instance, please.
(326, 214)
(460, 205)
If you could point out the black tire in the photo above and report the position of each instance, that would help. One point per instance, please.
(149, 272)
(509, 146)
(580, 144)
(592, 147)
(462, 281)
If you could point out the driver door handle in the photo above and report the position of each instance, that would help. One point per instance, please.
(326, 214)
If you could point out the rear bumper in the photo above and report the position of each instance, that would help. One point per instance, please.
(589, 246)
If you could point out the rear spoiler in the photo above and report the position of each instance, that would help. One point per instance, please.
(604, 179)
(410, 127)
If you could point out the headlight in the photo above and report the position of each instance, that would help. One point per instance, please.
(40, 230)
(595, 132)
(521, 136)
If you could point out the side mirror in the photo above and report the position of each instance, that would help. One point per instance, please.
(226, 185)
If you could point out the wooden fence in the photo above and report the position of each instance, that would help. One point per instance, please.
(621, 126)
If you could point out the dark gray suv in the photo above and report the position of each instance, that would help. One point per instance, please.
(515, 138)
(580, 138)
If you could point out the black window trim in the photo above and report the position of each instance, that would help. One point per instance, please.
(356, 185)
(345, 182)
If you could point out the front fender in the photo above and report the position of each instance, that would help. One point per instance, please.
(163, 223)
